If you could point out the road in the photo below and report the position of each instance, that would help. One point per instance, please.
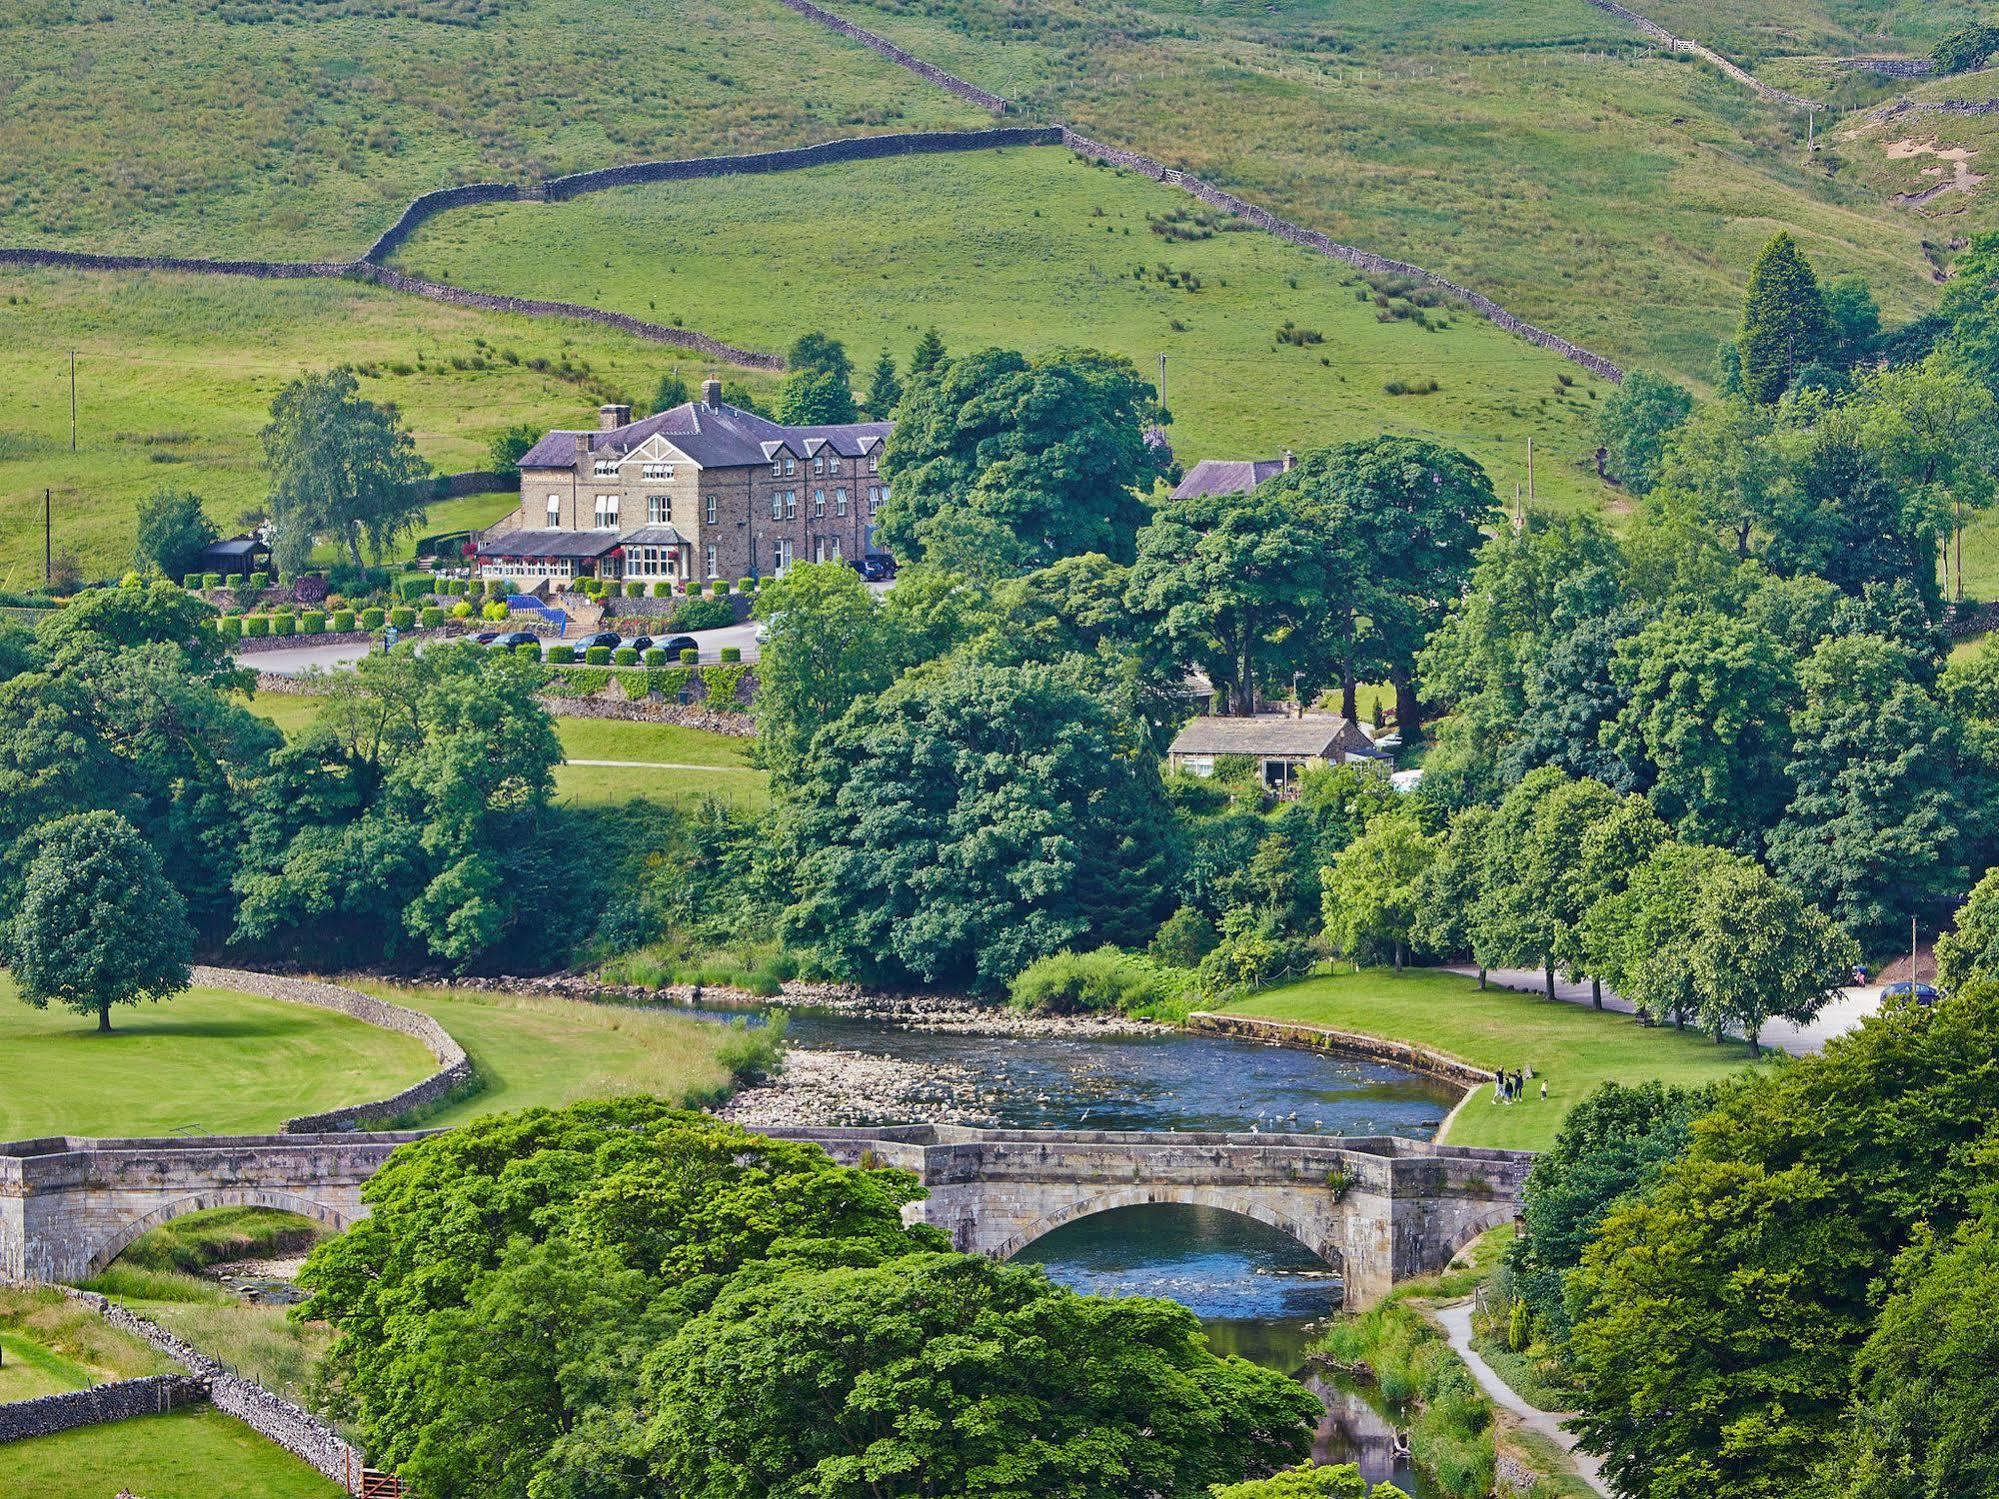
(1456, 1322)
(298, 660)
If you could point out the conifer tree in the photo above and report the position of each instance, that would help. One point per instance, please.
(929, 355)
(884, 389)
(1784, 322)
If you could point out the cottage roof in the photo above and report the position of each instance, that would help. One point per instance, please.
(1279, 736)
(655, 536)
(1227, 476)
(237, 546)
(539, 544)
(718, 436)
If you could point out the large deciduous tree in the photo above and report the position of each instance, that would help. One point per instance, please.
(826, 647)
(971, 819)
(1000, 465)
(173, 528)
(1784, 321)
(98, 925)
(1634, 424)
(1373, 890)
(1969, 951)
(1760, 952)
(339, 466)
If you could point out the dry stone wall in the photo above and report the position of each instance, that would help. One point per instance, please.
(454, 1067)
(1347, 1043)
(154, 1395)
(949, 82)
(1707, 54)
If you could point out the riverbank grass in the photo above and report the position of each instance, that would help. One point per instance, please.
(192, 1454)
(1574, 1047)
(52, 1345)
(207, 1062)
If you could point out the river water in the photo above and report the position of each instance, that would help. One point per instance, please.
(1257, 1291)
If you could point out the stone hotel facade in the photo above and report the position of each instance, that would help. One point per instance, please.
(702, 491)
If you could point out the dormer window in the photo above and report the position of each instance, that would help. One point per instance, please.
(832, 465)
(818, 463)
(790, 465)
(659, 471)
(605, 468)
(776, 468)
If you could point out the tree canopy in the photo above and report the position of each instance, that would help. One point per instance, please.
(1784, 321)
(339, 466)
(173, 528)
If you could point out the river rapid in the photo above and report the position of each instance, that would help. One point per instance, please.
(1257, 1291)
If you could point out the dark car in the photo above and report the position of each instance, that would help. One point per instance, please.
(640, 642)
(876, 567)
(486, 637)
(608, 639)
(514, 639)
(1922, 994)
(677, 644)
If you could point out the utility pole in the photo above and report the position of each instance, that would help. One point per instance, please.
(1162, 381)
(72, 400)
(48, 538)
(1530, 470)
(1812, 131)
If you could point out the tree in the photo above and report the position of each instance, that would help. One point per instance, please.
(1784, 322)
(1855, 317)
(1969, 951)
(1640, 940)
(970, 819)
(672, 390)
(1723, 470)
(950, 1374)
(1717, 1317)
(1635, 423)
(338, 465)
(820, 351)
(929, 357)
(1612, 1146)
(1372, 890)
(998, 465)
(1965, 50)
(814, 398)
(1451, 893)
(98, 925)
(826, 648)
(884, 389)
(736, 393)
(506, 450)
(1404, 519)
(1341, 1481)
(1532, 895)
(1970, 307)
(1885, 811)
(1241, 586)
(173, 528)
(1759, 951)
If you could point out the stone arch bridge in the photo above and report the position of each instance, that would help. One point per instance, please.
(1379, 1209)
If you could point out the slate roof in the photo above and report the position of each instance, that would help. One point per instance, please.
(549, 544)
(655, 536)
(1274, 735)
(1226, 476)
(238, 546)
(720, 436)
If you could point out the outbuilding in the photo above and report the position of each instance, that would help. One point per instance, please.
(1283, 745)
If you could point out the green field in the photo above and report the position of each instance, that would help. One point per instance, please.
(1573, 1047)
(191, 1454)
(51, 1344)
(208, 1061)
(531, 1050)
(175, 376)
(299, 128)
(1033, 248)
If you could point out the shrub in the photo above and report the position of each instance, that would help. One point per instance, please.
(655, 657)
(234, 580)
(409, 590)
(624, 655)
(1069, 983)
(211, 580)
(260, 580)
(228, 627)
(461, 610)
(371, 619)
(662, 589)
(635, 590)
(1186, 937)
(343, 620)
(529, 652)
(690, 657)
(561, 655)
(431, 617)
(284, 624)
(312, 621)
(598, 655)
(498, 588)
(718, 586)
(310, 589)
(403, 617)
(701, 614)
(731, 655)
(191, 582)
(746, 585)
(256, 626)
(494, 610)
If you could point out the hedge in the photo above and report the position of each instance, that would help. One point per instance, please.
(312, 621)
(561, 655)
(191, 582)
(228, 627)
(371, 619)
(260, 580)
(284, 624)
(654, 656)
(624, 655)
(234, 580)
(598, 655)
(746, 585)
(211, 580)
(662, 589)
(579, 681)
(256, 626)
(409, 590)
(431, 617)
(403, 617)
(343, 620)
(529, 652)
(690, 656)
(724, 683)
(731, 654)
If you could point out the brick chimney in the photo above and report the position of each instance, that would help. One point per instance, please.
(611, 416)
(1289, 459)
(711, 393)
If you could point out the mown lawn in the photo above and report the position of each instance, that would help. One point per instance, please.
(52, 1344)
(533, 1050)
(1575, 1048)
(192, 1454)
(207, 1061)
(1032, 248)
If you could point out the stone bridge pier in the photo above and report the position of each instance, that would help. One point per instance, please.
(69, 1206)
(1378, 1209)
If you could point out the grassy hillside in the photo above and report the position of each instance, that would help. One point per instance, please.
(191, 1454)
(299, 128)
(1035, 248)
(175, 376)
(1542, 151)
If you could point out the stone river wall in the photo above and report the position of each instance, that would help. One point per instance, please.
(1324, 1038)
(454, 1067)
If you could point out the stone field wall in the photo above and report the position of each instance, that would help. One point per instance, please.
(154, 1395)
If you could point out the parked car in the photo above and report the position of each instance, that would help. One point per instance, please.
(608, 639)
(486, 637)
(640, 642)
(1922, 994)
(876, 567)
(514, 639)
(679, 643)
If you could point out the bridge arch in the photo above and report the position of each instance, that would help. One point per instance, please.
(129, 1233)
(1223, 1199)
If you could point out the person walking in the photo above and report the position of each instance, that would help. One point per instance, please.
(1544, 1090)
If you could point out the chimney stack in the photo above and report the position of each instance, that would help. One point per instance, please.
(610, 417)
(711, 393)
(1289, 459)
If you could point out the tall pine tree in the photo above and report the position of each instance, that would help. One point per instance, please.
(929, 355)
(1784, 321)
(884, 390)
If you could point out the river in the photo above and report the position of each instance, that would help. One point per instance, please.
(1256, 1290)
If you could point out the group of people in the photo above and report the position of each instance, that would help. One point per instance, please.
(1507, 1086)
